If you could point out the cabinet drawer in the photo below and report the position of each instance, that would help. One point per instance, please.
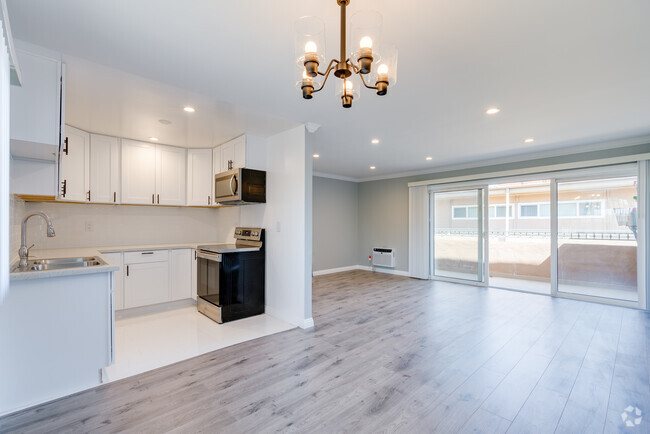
(145, 256)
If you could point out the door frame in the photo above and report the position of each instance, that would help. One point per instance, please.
(483, 256)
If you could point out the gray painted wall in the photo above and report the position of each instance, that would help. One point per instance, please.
(335, 223)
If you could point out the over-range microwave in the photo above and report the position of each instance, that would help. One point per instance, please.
(240, 187)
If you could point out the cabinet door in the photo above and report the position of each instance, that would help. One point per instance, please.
(36, 104)
(170, 175)
(181, 274)
(74, 166)
(118, 279)
(199, 177)
(239, 145)
(146, 283)
(227, 155)
(138, 172)
(104, 168)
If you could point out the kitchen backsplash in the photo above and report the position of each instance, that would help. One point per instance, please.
(86, 225)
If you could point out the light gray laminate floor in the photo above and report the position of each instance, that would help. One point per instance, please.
(393, 354)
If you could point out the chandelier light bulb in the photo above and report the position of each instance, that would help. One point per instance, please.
(349, 85)
(383, 69)
(366, 42)
(311, 47)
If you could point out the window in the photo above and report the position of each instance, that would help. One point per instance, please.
(544, 209)
(528, 210)
(459, 212)
(592, 208)
(499, 211)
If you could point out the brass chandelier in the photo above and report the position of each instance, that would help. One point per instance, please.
(365, 30)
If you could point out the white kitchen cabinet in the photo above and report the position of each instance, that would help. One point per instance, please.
(233, 150)
(181, 274)
(74, 173)
(118, 279)
(227, 156)
(170, 175)
(36, 116)
(138, 172)
(147, 278)
(104, 169)
(199, 177)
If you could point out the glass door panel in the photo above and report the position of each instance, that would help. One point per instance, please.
(597, 237)
(458, 237)
(519, 221)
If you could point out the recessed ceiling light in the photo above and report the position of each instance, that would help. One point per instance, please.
(372, 167)
(154, 139)
(493, 110)
(315, 155)
(189, 109)
(165, 121)
(429, 158)
(374, 141)
(529, 140)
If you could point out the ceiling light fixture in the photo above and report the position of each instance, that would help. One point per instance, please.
(372, 167)
(375, 141)
(316, 156)
(429, 158)
(493, 110)
(154, 139)
(165, 121)
(365, 28)
(189, 109)
(529, 140)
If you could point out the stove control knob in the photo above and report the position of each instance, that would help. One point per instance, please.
(255, 234)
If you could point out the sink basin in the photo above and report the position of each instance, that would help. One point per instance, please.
(60, 264)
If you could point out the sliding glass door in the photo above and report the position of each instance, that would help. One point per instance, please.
(458, 234)
(597, 237)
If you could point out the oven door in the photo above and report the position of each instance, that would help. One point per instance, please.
(226, 186)
(208, 269)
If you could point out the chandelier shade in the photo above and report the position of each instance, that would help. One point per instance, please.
(374, 63)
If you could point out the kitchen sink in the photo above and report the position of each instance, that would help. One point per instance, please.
(60, 264)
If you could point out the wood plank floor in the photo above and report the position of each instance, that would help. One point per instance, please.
(392, 354)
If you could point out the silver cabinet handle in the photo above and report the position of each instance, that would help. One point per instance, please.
(127, 271)
(115, 197)
(209, 198)
(158, 199)
(147, 253)
(153, 198)
(88, 195)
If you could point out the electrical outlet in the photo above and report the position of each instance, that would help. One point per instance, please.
(89, 226)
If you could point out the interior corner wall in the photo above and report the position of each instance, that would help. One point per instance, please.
(384, 219)
(284, 217)
(335, 224)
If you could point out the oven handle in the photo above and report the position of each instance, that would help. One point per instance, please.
(216, 257)
(232, 190)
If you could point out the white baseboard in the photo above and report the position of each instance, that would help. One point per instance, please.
(364, 268)
(335, 270)
(302, 323)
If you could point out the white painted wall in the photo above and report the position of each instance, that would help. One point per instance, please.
(288, 246)
(4, 166)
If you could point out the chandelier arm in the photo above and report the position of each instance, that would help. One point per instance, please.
(327, 74)
(363, 80)
(329, 67)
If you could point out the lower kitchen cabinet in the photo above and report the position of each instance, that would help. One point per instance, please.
(146, 283)
(181, 274)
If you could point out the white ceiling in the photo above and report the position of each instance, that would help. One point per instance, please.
(564, 72)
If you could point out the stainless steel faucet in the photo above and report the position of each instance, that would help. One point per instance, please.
(23, 252)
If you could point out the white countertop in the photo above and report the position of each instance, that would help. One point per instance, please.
(75, 252)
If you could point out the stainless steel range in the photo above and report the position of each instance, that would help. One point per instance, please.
(231, 277)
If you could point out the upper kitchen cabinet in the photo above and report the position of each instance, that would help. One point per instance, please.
(36, 105)
(199, 177)
(153, 174)
(104, 169)
(74, 174)
(231, 154)
(170, 175)
(138, 172)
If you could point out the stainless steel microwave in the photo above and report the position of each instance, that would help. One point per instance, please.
(240, 187)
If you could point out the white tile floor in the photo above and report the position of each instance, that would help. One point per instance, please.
(153, 340)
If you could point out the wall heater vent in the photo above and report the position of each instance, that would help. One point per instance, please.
(383, 257)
